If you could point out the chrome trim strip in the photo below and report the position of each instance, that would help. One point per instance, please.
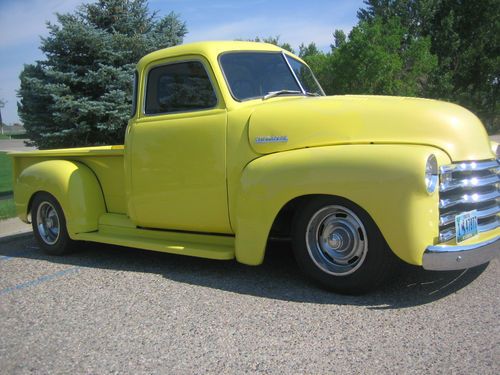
(450, 217)
(469, 166)
(293, 73)
(468, 199)
(447, 258)
(469, 183)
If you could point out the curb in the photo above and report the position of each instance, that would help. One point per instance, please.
(14, 236)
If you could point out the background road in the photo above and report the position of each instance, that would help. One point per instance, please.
(106, 309)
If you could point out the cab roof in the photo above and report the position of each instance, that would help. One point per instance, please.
(210, 50)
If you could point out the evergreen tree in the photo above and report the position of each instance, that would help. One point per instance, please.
(81, 93)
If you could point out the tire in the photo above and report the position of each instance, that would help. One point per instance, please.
(337, 244)
(49, 225)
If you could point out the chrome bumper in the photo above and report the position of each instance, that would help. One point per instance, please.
(446, 258)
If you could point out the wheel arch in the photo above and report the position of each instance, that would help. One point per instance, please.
(282, 224)
(71, 183)
(386, 181)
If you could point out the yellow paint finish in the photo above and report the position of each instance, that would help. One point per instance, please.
(385, 180)
(321, 121)
(106, 162)
(210, 52)
(178, 172)
(192, 171)
(119, 230)
(177, 166)
(73, 185)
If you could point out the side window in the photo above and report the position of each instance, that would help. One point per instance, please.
(178, 87)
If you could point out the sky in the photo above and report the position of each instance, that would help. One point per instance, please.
(23, 22)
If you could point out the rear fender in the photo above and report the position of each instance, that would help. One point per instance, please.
(73, 184)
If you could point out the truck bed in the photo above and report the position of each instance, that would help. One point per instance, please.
(105, 161)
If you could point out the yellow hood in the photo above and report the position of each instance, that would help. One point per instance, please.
(310, 122)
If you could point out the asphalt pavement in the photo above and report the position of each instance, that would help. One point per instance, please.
(106, 309)
(14, 145)
(109, 310)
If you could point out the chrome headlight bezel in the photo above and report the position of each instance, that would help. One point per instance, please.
(431, 174)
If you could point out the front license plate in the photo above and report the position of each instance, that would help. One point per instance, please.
(466, 225)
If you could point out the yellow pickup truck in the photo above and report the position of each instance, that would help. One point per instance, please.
(232, 144)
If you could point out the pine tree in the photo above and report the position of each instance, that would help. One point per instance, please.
(81, 93)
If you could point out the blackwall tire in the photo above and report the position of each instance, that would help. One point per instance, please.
(337, 244)
(49, 225)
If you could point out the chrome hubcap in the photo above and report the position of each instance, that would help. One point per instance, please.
(47, 222)
(336, 240)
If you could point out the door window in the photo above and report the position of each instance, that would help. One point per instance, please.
(179, 87)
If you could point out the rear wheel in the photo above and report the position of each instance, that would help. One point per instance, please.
(49, 225)
(338, 245)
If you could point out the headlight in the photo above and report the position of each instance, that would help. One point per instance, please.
(431, 174)
(495, 148)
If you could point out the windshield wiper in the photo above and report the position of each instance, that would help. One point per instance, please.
(272, 94)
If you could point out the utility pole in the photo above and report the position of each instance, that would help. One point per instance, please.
(2, 104)
(1, 122)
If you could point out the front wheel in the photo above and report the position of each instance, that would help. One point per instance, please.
(338, 245)
(49, 225)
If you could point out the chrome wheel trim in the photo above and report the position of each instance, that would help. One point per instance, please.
(336, 240)
(48, 223)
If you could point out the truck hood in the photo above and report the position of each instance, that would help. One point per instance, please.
(310, 122)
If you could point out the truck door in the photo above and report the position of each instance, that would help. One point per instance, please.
(177, 150)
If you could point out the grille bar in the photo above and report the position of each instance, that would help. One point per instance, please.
(450, 217)
(470, 199)
(468, 186)
(469, 166)
(450, 233)
(469, 183)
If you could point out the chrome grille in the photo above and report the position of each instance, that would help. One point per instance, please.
(468, 186)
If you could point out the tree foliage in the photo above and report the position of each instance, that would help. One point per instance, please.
(273, 40)
(80, 94)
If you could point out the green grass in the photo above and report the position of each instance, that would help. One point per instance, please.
(5, 172)
(7, 209)
(13, 136)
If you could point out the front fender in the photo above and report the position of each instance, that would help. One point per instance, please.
(73, 184)
(387, 181)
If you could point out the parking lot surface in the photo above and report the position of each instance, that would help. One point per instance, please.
(106, 309)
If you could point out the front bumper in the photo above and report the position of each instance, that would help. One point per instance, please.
(446, 258)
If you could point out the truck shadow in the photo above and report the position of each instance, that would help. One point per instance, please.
(278, 278)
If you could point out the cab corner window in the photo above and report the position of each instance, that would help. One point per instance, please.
(179, 87)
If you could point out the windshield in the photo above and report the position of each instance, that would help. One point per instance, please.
(253, 75)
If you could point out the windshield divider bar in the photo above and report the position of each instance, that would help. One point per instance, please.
(293, 73)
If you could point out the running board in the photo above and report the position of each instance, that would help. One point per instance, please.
(119, 230)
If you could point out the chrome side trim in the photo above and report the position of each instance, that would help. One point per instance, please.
(447, 258)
